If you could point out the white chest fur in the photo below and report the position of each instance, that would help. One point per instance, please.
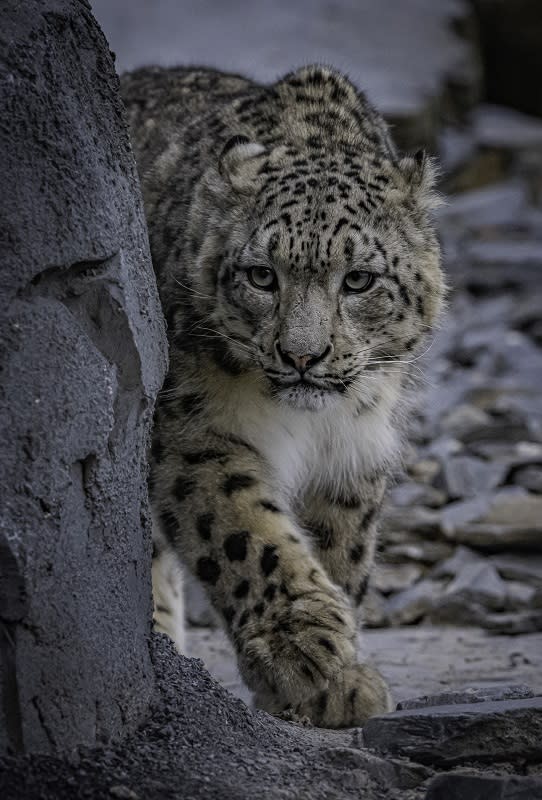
(329, 449)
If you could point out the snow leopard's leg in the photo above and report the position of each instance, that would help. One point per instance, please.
(343, 529)
(167, 590)
(293, 630)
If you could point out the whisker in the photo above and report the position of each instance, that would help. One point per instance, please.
(219, 334)
(390, 340)
(193, 291)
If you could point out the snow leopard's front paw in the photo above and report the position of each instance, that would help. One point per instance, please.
(295, 650)
(351, 698)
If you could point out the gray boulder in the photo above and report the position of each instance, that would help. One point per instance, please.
(479, 582)
(483, 787)
(510, 518)
(411, 604)
(487, 732)
(82, 355)
(470, 695)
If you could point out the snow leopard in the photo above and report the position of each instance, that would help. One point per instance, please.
(299, 273)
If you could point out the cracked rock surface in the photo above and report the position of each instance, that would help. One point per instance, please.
(82, 357)
(446, 735)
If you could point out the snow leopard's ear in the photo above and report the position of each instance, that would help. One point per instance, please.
(239, 163)
(419, 173)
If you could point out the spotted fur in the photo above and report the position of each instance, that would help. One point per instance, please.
(279, 419)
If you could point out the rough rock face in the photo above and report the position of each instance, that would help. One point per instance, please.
(445, 735)
(82, 357)
(481, 787)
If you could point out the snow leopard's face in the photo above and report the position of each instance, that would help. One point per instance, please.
(328, 276)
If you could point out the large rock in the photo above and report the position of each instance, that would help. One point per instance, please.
(478, 583)
(502, 128)
(469, 695)
(509, 519)
(499, 204)
(483, 787)
(527, 568)
(82, 358)
(466, 476)
(411, 604)
(486, 732)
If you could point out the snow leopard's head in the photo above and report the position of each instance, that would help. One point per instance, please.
(316, 266)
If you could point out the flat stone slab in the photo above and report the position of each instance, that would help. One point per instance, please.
(504, 128)
(484, 787)
(487, 732)
(479, 583)
(479, 695)
(498, 204)
(467, 476)
(527, 568)
(503, 521)
(411, 604)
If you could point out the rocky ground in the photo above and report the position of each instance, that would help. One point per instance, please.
(416, 660)
(201, 743)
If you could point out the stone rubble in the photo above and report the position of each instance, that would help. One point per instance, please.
(472, 483)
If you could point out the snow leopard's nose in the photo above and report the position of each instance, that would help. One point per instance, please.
(302, 362)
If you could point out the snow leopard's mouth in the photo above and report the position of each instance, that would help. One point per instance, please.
(306, 394)
(309, 384)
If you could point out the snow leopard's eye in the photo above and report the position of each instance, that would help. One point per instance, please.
(358, 281)
(263, 278)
